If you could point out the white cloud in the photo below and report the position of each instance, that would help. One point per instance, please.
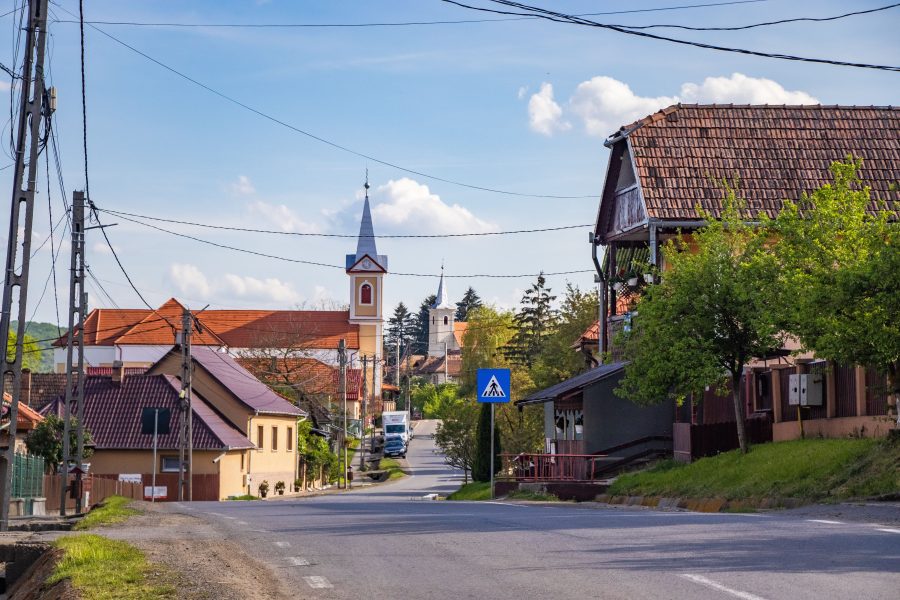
(243, 186)
(282, 217)
(604, 104)
(409, 206)
(740, 89)
(522, 91)
(103, 248)
(189, 280)
(544, 114)
(269, 289)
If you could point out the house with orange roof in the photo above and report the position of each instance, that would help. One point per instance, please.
(26, 420)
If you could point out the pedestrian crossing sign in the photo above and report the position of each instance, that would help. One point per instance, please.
(493, 385)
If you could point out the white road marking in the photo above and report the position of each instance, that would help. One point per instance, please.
(504, 503)
(298, 561)
(887, 530)
(242, 523)
(826, 521)
(283, 544)
(718, 586)
(317, 581)
(227, 517)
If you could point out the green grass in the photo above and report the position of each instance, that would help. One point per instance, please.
(104, 569)
(812, 470)
(244, 497)
(532, 495)
(113, 510)
(477, 490)
(392, 466)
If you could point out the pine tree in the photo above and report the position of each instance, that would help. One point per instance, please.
(534, 322)
(421, 322)
(470, 300)
(481, 464)
(402, 327)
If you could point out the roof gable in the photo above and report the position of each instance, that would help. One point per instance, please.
(159, 324)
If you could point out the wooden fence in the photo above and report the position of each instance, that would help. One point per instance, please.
(696, 441)
(100, 489)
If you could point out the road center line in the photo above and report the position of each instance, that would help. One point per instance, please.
(826, 521)
(887, 530)
(718, 586)
(317, 581)
(242, 523)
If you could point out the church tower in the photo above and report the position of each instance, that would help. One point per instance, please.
(366, 270)
(441, 317)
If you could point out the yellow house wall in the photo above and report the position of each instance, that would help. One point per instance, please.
(273, 465)
(111, 462)
(367, 310)
(231, 476)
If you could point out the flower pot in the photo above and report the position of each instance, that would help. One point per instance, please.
(617, 286)
(263, 494)
(648, 277)
(632, 281)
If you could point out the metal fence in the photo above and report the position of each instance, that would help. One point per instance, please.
(28, 476)
(547, 467)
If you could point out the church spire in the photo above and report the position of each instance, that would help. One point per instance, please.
(366, 242)
(441, 300)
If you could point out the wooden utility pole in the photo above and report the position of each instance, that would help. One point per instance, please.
(186, 436)
(31, 113)
(365, 413)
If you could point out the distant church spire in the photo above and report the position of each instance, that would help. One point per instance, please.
(366, 242)
(441, 300)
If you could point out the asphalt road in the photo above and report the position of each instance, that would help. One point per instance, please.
(387, 542)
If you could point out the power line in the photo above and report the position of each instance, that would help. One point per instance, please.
(340, 235)
(321, 264)
(767, 23)
(320, 139)
(575, 20)
(392, 24)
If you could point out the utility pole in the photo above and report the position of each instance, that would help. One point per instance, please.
(446, 368)
(365, 409)
(74, 358)
(397, 364)
(186, 436)
(342, 357)
(408, 383)
(31, 113)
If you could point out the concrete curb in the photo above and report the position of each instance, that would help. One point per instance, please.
(707, 505)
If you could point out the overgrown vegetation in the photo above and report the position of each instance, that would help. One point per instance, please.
(46, 440)
(113, 510)
(392, 467)
(244, 497)
(478, 490)
(532, 496)
(104, 569)
(812, 470)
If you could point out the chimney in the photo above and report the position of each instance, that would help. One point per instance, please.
(118, 372)
(26, 387)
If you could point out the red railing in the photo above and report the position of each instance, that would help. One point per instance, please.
(548, 467)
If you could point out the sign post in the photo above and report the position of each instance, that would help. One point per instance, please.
(493, 388)
(150, 423)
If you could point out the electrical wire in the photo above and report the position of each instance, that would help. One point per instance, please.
(321, 264)
(574, 20)
(320, 139)
(123, 214)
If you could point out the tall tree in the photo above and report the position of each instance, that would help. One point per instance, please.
(710, 315)
(455, 436)
(481, 463)
(31, 352)
(534, 322)
(46, 440)
(839, 269)
(421, 322)
(469, 301)
(401, 327)
(488, 332)
(558, 360)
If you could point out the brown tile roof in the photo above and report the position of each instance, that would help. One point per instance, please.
(777, 152)
(430, 365)
(459, 331)
(26, 418)
(159, 327)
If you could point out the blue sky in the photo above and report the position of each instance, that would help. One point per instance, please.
(518, 105)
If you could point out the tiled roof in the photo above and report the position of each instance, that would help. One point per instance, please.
(354, 383)
(37, 389)
(430, 365)
(112, 413)
(242, 384)
(320, 329)
(459, 331)
(26, 418)
(776, 153)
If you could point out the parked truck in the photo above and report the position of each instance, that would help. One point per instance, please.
(397, 423)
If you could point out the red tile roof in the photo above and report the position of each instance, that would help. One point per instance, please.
(431, 365)
(459, 331)
(112, 413)
(776, 152)
(159, 327)
(26, 418)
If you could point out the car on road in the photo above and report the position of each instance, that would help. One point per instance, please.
(394, 446)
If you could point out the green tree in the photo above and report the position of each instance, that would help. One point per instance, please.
(488, 332)
(319, 459)
(534, 322)
(31, 352)
(710, 314)
(557, 360)
(481, 462)
(46, 440)
(839, 269)
(421, 322)
(521, 429)
(455, 435)
(470, 300)
(401, 328)
(436, 401)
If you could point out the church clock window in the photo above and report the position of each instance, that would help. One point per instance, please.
(365, 294)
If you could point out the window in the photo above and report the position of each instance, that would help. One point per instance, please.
(242, 461)
(290, 439)
(169, 464)
(365, 294)
(432, 320)
(446, 320)
(259, 437)
(274, 439)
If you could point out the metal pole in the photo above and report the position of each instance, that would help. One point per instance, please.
(365, 393)
(153, 476)
(492, 451)
(185, 435)
(29, 134)
(342, 353)
(75, 362)
(408, 382)
(446, 369)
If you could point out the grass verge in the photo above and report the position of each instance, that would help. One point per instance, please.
(533, 496)
(104, 569)
(812, 470)
(113, 510)
(244, 497)
(392, 467)
(477, 490)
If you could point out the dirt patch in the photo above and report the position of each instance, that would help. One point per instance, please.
(203, 562)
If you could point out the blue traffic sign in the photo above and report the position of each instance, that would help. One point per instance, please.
(493, 385)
